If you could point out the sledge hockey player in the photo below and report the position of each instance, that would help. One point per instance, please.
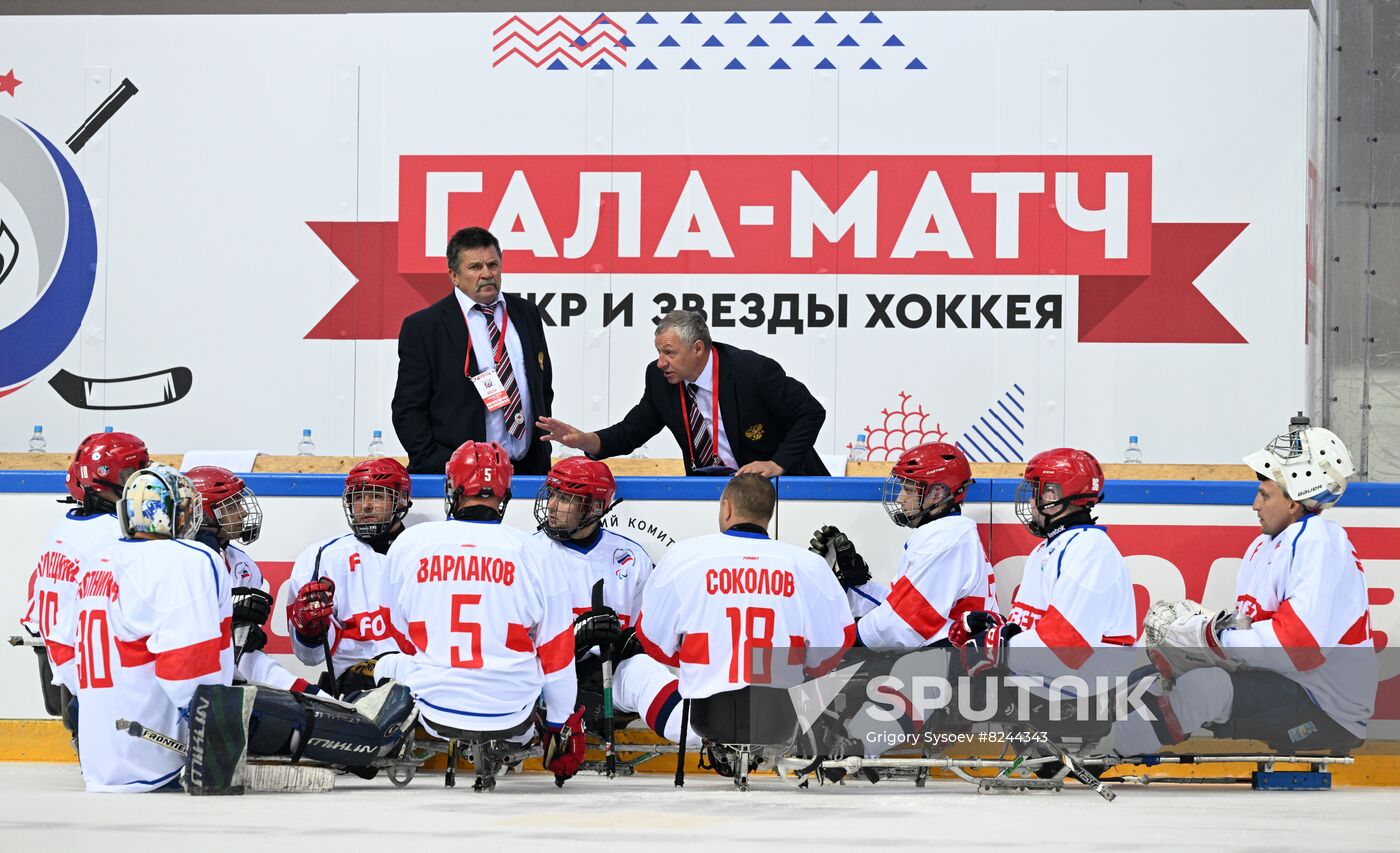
(492, 628)
(1294, 663)
(337, 598)
(230, 511)
(570, 506)
(100, 467)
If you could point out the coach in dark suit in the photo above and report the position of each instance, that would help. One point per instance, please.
(768, 421)
(436, 405)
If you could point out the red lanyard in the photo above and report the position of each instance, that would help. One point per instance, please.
(500, 346)
(714, 411)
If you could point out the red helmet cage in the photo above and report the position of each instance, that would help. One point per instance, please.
(383, 471)
(100, 460)
(478, 469)
(1076, 472)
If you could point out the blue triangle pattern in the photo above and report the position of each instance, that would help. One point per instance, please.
(848, 42)
(580, 41)
(602, 65)
(871, 18)
(712, 41)
(780, 65)
(780, 18)
(690, 19)
(734, 65)
(826, 18)
(802, 41)
(646, 65)
(870, 65)
(557, 65)
(646, 18)
(825, 63)
(758, 42)
(690, 65)
(669, 42)
(735, 18)
(916, 65)
(626, 42)
(893, 41)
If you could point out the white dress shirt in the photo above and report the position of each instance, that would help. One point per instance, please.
(486, 360)
(704, 390)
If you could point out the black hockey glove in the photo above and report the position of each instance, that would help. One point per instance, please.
(628, 646)
(255, 639)
(840, 553)
(598, 627)
(251, 606)
(359, 676)
(985, 653)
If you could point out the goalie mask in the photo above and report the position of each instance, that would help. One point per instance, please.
(1311, 465)
(104, 460)
(376, 497)
(227, 503)
(478, 469)
(1057, 481)
(926, 483)
(159, 501)
(576, 495)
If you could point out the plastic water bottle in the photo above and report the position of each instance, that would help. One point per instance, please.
(860, 452)
(306, 447)
(1133, 455)
(107, 428)
(376, 443)
(37, 442)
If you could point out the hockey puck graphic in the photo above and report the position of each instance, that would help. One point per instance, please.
(129, 392)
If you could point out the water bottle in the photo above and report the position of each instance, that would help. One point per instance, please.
(1133, 455)
(859, 451)
(37, 442)
(376, 443)
(306, 447)
(107, 428)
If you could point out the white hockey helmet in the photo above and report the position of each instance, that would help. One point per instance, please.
(1311, 465)
(161, 501)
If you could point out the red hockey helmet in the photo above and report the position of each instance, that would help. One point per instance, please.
(228, 503)
(104, 460)
(477, 469)
(376, 496)
(576, 494)
(935, 470)
(1056, 479)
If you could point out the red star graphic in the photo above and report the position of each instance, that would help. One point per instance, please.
(9, 83)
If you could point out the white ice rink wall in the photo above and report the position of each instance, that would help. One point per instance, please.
(1012, 230)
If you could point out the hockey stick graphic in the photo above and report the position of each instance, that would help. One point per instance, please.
(102, 114)
(127, 392)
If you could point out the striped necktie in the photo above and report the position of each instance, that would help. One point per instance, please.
(515, 420)
(702, 447)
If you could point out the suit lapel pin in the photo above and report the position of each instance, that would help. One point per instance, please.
(754, 433)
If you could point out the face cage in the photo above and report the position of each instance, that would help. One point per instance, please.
(590, 510)
(371, 529)
(889, 497)
(239, 517)
(1286, 446)
(1027, 494)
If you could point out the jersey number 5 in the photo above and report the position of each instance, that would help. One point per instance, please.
(472, 629)
(751, 633)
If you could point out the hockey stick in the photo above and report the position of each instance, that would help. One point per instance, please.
(609, 752)
(1080, 772)
(35, 642)
(680, 753)
(326, 637)
(105, 110)
(137, 730)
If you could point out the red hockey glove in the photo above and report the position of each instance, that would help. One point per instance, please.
(563, 748)
(972, 623)
(310, 613)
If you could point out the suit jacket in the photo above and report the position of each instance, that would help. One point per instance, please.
(767, 415)
(436, 407)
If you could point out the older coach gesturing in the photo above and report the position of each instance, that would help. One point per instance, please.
(730, 409)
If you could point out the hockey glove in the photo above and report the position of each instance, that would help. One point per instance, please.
(985, 652)
(840, 553)
(310, 613)
(360, 676)
(255, 639)
(596, 628)
(627, 646)
(251, 606)
(1181, 636)
(971, 623)
(563, 748)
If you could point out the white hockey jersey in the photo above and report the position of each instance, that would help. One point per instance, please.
(151, 620)
(737, 608)
(1076, 596)
(620, 563)
(492, 627)
(360, 627)
(942, 574)
(257, 667)
(74, 542)
(1306, 593)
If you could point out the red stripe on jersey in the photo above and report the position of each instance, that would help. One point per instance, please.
(654, 709)
(695, 648)
(59, 653)
(558, 652)
(653, 650)
(1248, 605)
(196, 659)
(1296, 639)
(1119, 639)
(518, 638)
(1359, 632)
(848, 639)
(797, 650)
(299, 686)
(968, 604)
(1063, 639)
(418, 635)
(914, 609)
(134, 653)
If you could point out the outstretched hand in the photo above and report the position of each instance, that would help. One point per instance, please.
(568, 435)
